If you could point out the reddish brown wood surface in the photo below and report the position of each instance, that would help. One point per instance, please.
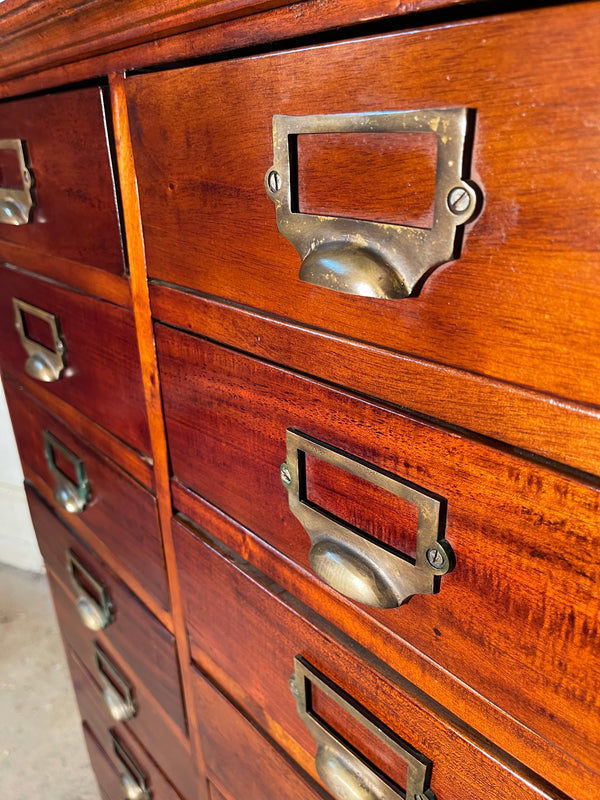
(521, 606)
(226, 603)
(105, 770)
(39, 34)
(564, 432)
(120, 513)
(148, 729)
(141, 642)
(239, 760)
(75, 216)
(102, 377)
(153, 402)
(521, 302)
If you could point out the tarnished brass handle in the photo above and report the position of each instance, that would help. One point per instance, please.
(355, 565)
(16, 202)
(133, 780)
(117, 693)
(374, 259)
(345, 773)
(93, 602)
(43, 363)
(71, 497)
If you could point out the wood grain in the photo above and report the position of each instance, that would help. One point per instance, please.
(520, 304)
(520, 607)
(145, 647)
(120, 513)
(227, 602)
(75, 216)
(102, 377)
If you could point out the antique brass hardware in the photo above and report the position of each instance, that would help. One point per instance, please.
(348, 561)
(71, 497)
(116, 690)
(43, 363)
(93, 602)
(345, 773)
(132, 778)
(16, 203)
(367, 258)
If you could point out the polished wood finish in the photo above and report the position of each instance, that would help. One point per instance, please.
(102, 378)
(272, 629)
(104, 768)
(478, 313)
(75, 216)
(138, 638)
(147, 727)
(227, 424)
(120, 513)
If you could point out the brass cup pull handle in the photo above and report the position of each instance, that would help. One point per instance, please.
(351, 563)
(133, 781)
(93, 602)
(16, 202)
(368, 258)
(345, 773)
(43, 363)
(117, 692)
(72, 497)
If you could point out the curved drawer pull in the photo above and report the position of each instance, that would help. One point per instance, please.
(117, 693)
(350, 563)
(345, 773)
(43, 363)
(71, 497)
(368, 258)
(131, 776)
(93, 602)
(16, 202)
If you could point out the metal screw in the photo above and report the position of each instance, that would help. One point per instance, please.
(274, 181)
(293, 687)
(26, 177)
(436, 557)
(459, 200)
(286, 475)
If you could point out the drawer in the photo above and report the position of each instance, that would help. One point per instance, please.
(239, 761)
(83, 350)
(516, 304)
(125, 768)
(95, 604)
(385, 496)
(64, 141)
(86, 485)
(172, 757)
(242, 626)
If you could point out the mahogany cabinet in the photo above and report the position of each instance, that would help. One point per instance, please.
(299, 322)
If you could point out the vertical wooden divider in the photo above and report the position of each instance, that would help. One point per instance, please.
(145, 337)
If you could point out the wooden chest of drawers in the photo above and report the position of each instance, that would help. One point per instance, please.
(299, 325)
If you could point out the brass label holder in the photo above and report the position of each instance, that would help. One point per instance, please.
(43, 363)
(93, 601)
(368, 258)
(352, 563)
(16, 204)
(133, 779)
(343, 770)
(71, 497)
(116, 690)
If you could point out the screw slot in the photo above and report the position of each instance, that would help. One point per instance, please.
(436, 557)
(286, 475)
(274, 181)
(459, 200)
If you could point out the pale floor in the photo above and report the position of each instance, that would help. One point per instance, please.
(42, 750)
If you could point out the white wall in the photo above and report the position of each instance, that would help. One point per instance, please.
(18, 546)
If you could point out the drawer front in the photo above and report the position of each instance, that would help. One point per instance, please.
(96, 598)
(238, 759)
(519, 304)
(88, 486)
(520, 606)
(125, 767)
(74, 215)
(241, 625)
(150, 731)
(83, 350)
